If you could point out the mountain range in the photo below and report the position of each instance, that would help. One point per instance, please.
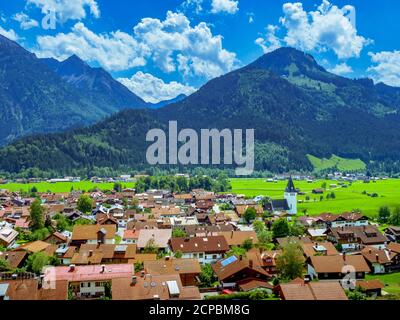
(296, 107)
(46, 95)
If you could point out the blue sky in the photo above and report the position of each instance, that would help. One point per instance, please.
(161, 48)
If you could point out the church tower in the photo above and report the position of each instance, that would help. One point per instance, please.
(291, 197)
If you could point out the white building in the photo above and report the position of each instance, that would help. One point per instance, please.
(291, 197)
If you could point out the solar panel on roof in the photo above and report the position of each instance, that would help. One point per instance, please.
(228, 261)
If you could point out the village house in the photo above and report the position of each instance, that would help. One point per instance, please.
(319, 249)
(130, 236)
(109, 254)
(233, 269)
(14, 259)
(156, 237)
(393, 233)
(93, 234)
(153, 287)
(236, 238)
(207, 230)
(355, 238)
(300, 289)
(370, 287)
(347, 219)
(56, 238)
(204, 249)
(336, 266)
(187, 269)
(32, 289)
(90, 281)
(8, 236)
(383, 260)
(267, 259)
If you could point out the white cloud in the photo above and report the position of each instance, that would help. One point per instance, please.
(152, 89)
(10, 34)
(327, 28)
(227, 6)
(195, 5)
(386, 68)
(25, 21)
(176, 45)
(341, 69)
(271, 42)
(115, 51)
(172, 44)
(68, 9)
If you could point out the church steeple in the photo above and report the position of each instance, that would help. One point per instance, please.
(290, 186)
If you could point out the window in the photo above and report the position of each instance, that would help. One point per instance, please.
(214, 256)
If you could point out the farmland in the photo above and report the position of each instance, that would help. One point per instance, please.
(62, 186)
(346, 199)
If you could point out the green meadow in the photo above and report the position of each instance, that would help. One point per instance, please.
(339, 163)
(62, 186)
(346, 199)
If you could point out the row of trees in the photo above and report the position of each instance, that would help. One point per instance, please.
(386, 215)
(183, 184)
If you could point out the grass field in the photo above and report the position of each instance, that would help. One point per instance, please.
(341, 164)
(62, 186)
(391, 281)
(346, 198)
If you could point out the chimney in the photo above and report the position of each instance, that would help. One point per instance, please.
(231, 234)
(6, 256)
(344, 256)
(167, 258)
(103, 268)
(134, 280)
(71, 267)
(377, 257)
(251, 264)
(370, 251)
(90, 253)
(142, 274)
(307, 279)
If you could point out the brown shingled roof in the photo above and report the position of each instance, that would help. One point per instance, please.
(323, 290)
(211, 244)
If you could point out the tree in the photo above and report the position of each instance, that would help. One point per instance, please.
(384, 214)
(290, 263)
(250, 214)
(247, 244)
(356, 295)
(37, 261)
(179, 233)
(36, 215)
(150, 247)
(62, 222)
(236, 251)
(178, 254)
(323, 185)
(296, 230)
(85, 204)
(4, 265)
(207, 276)
(34, 189)
(395, 217)
(117, 187)
(264, 238)
(258, 226)
(333, 196)
(280, 228)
